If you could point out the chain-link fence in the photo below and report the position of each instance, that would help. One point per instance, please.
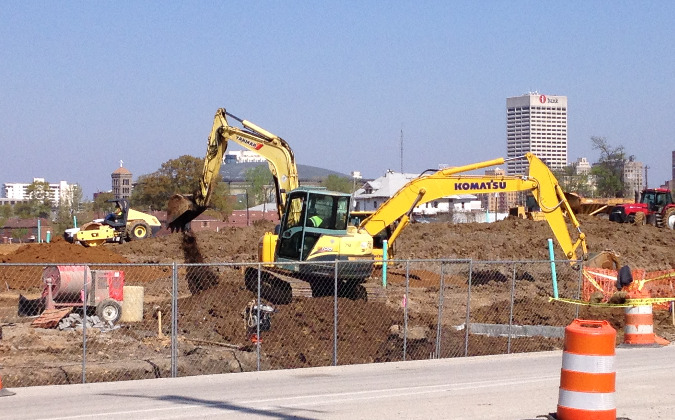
(75, 323)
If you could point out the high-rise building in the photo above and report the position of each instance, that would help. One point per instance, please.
(536, 123)
(633, 180)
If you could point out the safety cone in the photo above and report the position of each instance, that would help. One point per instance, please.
(639, 328)
(4, 392)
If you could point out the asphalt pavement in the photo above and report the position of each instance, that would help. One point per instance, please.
(518, 386)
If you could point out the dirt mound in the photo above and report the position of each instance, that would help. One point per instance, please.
(301, 332)
(645, 247)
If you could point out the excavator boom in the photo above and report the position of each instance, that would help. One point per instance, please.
(540, 182)
(182, 209)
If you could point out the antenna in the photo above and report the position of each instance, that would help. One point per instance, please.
(401, 148)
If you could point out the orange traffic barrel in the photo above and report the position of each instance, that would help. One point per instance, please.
(639, 327)
(4, 392)
(587, 377)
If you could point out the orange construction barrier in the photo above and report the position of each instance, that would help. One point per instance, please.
(639, 327)
(587, 377)
(4, 392)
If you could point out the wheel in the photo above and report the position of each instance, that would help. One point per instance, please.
(669, 219)
(138, 230)
(639, 219)
(109, 310)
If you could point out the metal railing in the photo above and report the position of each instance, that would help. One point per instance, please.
(196, 319)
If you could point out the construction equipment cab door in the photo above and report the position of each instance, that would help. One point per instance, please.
(309, 215)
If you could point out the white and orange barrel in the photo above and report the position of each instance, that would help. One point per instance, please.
(639, 327)
(587, 377)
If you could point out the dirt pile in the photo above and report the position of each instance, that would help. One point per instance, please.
(301, 332)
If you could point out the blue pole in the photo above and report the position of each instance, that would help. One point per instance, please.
(384, 263)
(74, 221)
(39, 234)
(553, 273)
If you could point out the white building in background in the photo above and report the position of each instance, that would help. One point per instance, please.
(242, 156)
(633, 179)
(582, 166)
(536, 123)
(57, 192)
(374, 193)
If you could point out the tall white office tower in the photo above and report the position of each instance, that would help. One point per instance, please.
(536, 123)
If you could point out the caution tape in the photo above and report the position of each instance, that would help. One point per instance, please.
(627, 303)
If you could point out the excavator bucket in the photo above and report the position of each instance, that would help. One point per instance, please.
(181, 210)
(606, 259)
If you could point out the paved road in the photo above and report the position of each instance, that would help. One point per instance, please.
(520, 386)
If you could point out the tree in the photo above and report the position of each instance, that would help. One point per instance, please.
(5, 213)
(258, 177)
(609, 169)
(570, 181)
(178, 176)
(102, 203)
(69, 206)
(38, 204)
(175, 176)
(338, 183)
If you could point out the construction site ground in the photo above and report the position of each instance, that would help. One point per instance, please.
(211, 334)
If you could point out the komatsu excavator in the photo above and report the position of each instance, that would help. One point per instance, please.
(540, 182)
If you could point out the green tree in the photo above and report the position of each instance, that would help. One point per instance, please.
(570, 181)
(101, 204)
(609, 169)
(5, 213)
(175, 176)
(69, 206)
(338, 183)
(19, 233)
(258, 178)
(38, 203)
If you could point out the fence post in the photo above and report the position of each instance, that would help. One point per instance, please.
(174, 320)
(335, 314)
(84, 328)
(439, 330)
(405, 309)
(257, 323)
(468, 312)
(513, 291)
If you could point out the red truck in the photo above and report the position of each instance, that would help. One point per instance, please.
(656, 207)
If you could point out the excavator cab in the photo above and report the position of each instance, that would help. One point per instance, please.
(314, 228)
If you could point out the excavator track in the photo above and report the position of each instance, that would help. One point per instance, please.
(281, 288)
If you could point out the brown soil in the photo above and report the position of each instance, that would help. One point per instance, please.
(212, 335)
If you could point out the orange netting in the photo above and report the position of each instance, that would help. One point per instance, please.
(645, 285)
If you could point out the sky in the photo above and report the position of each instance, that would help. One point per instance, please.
(351, 85)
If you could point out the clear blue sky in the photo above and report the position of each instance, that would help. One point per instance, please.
(84, 85)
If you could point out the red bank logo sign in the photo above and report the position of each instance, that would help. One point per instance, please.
(544, 100)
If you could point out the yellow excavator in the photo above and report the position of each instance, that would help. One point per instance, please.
(540, 182)
(313, 221)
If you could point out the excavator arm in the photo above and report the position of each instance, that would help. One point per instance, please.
(182, 209)
(540, 182)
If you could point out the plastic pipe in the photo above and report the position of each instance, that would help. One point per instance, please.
(39, 234)
(553, 273)
(74, 221)
(384, 263)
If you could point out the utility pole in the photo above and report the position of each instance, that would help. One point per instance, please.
(401, 149)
